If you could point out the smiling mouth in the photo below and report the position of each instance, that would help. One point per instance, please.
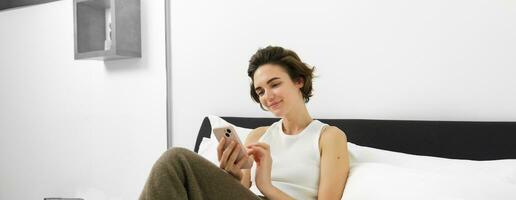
(275, 105)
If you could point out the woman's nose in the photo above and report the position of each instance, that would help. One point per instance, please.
(268, 95)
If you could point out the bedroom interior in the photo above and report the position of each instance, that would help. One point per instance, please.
(423, 88)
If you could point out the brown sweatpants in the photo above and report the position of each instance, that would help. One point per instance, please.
(182, 174)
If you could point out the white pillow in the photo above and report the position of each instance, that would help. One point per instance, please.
(372, 181)
(216, 121)
(498, 169)
(208, 146)
(208, 150)
(382, 174)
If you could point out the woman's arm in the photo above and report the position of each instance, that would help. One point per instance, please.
(273, 193)
(334, 164)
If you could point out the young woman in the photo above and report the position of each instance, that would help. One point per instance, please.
(296, 157)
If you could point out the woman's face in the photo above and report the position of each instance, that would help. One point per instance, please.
(277, 92)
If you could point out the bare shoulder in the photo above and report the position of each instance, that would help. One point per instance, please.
(333, 131)
(332, 137)
(255, 134)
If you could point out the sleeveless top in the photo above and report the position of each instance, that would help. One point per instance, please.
(295, 160)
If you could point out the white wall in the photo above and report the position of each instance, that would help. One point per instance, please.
(77, 128)
(401, 59)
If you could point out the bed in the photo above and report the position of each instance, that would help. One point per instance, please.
(407, 159)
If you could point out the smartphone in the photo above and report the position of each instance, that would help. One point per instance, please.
(230, 134)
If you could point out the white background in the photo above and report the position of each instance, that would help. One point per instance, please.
(400, 59)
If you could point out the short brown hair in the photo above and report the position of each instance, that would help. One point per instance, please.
(289, 61)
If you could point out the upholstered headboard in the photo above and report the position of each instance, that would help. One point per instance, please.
(448, 139)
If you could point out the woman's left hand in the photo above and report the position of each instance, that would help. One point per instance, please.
(262, 156)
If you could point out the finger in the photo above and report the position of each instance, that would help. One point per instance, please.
(234, 154)
(255, 154)
(226, 153)
(241, 162)
(260, 148)
(261, 144)
(255, 150)
(249, 154)
(220, 148)
(250, 145)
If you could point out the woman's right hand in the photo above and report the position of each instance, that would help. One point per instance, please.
(227, 158)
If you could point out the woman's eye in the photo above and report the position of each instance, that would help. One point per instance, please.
(274, 85)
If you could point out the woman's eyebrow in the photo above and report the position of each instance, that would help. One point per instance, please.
(270, 80)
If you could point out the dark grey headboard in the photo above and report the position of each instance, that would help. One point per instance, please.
(448, 139)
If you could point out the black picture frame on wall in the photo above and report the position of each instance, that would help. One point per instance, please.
(8, 4)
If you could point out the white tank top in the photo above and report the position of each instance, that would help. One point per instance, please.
(295, 160)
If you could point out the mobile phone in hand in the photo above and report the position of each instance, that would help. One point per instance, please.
(230, 134)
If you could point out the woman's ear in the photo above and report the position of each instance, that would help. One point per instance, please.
(300, 82)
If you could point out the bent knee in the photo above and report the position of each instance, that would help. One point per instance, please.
(175, 152)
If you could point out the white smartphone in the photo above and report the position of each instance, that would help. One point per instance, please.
(230, 134)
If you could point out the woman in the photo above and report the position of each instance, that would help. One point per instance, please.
(295, 158)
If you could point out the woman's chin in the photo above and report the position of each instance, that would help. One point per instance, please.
(278, 113)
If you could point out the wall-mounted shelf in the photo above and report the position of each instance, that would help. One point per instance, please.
(107, 29)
